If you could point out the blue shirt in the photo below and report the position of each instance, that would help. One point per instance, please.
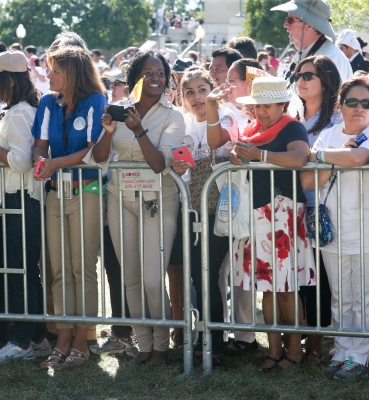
(83, 125)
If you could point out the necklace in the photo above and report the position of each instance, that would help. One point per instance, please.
(197, 135)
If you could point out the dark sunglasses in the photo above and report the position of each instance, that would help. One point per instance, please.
(118, 83)
(352, 102)
(306, 76)
(291, 20)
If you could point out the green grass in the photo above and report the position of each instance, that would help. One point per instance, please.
(111, 377)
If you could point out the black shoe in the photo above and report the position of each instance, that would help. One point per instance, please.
(241, 348)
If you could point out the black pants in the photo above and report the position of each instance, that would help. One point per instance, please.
(112, 268)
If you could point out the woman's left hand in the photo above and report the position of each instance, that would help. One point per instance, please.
(133, 122)
(220, 93)
(350, 143)
(247, 153)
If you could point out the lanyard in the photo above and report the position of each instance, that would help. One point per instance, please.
(65, 132)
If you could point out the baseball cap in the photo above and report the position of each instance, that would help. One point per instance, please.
(13, 61)
(180, 65)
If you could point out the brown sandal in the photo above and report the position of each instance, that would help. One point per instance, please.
(58, 355)
(76, 358)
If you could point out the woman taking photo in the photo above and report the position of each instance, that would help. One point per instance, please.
(281, 140)
(68, 120)
(317, 80)
(338, 146)
(17, 91)
(146, 135)
(201, 128)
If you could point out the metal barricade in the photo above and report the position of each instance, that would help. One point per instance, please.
(185, 324)
(209, 325)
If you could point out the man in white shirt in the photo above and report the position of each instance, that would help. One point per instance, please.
(351, 48)
(309, 28)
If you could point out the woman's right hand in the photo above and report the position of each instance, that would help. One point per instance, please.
(180, 167)
(107, 122)
(233, 158)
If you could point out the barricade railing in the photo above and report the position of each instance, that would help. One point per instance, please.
(137, 185)
(209, 325)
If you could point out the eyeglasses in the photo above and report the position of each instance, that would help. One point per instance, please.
(230, 81)
(306, 76)
(352, 102)
(291, 20)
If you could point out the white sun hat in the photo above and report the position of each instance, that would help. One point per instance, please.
(347, 38)
(267, 90)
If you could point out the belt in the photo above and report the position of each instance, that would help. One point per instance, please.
(75, 184)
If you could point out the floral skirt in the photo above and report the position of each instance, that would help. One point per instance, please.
(284, 250)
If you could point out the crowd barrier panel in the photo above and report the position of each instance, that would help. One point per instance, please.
(141, 178)
(209, 325)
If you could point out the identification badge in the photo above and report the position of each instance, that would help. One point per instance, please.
(67, 186)
(139, 179)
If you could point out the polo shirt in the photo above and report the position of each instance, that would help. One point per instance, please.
(83, 125)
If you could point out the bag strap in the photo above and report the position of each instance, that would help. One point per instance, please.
(330, 187)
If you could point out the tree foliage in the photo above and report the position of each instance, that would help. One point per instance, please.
(266, 26)
(102, 23)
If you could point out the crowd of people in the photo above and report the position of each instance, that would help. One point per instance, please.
(55, 116)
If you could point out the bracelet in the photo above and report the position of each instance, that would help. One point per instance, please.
(261, 156)
(143, 133)
(320, 156)
(265, 156)
(216, 123)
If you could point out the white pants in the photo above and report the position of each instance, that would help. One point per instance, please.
(355, 347)
(242, 304)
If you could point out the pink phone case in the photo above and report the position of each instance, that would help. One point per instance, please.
(39, 167)
(182, 153)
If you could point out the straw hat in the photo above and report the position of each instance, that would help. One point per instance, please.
(316, 13)
(267, 90)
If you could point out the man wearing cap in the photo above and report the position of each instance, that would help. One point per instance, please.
(118, 85)
(351, 48)
(309, 26)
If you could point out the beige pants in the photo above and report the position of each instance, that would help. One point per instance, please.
(73, 263)
(148, 338)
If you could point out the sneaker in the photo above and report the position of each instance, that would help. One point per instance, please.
(42, 349)
(334, 366)
(10, 350)
(350, 369)
(114, 345)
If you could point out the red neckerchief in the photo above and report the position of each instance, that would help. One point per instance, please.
(252, 134)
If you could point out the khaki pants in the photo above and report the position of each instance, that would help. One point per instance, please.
(72, 254)
(148, 338)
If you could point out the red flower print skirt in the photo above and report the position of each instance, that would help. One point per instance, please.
(284, 250)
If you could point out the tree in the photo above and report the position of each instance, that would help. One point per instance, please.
(266, 26)
(107, 24)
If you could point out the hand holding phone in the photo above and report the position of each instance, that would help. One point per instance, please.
(119, 113)
(183, 154)
(39, 167)
(243, 144)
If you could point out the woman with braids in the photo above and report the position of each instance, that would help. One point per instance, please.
(317, 80)
(146, 135)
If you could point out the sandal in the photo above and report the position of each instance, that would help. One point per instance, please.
(76, 358)
(56, 354)
(293, 362)
(241, 348)
(316, 359)
(273, 367)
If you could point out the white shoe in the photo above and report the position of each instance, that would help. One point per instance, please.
(42, 349)
(10, 350)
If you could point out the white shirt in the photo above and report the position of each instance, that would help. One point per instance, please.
(16, 137)
(241, 120)
(350, 203)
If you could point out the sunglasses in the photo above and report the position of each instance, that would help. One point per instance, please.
(306, 76)
(291, 20)
(352, 102)
(118, 83)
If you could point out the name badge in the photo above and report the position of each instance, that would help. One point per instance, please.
(139, 179)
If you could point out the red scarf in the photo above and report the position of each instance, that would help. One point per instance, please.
(252, 134)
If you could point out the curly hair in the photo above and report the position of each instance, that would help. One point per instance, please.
(135, 66)
(330, 80)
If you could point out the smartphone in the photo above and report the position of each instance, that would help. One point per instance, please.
(183, 154)
(39, 167)
(119, 113)
(361, 139)
(243, 144)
